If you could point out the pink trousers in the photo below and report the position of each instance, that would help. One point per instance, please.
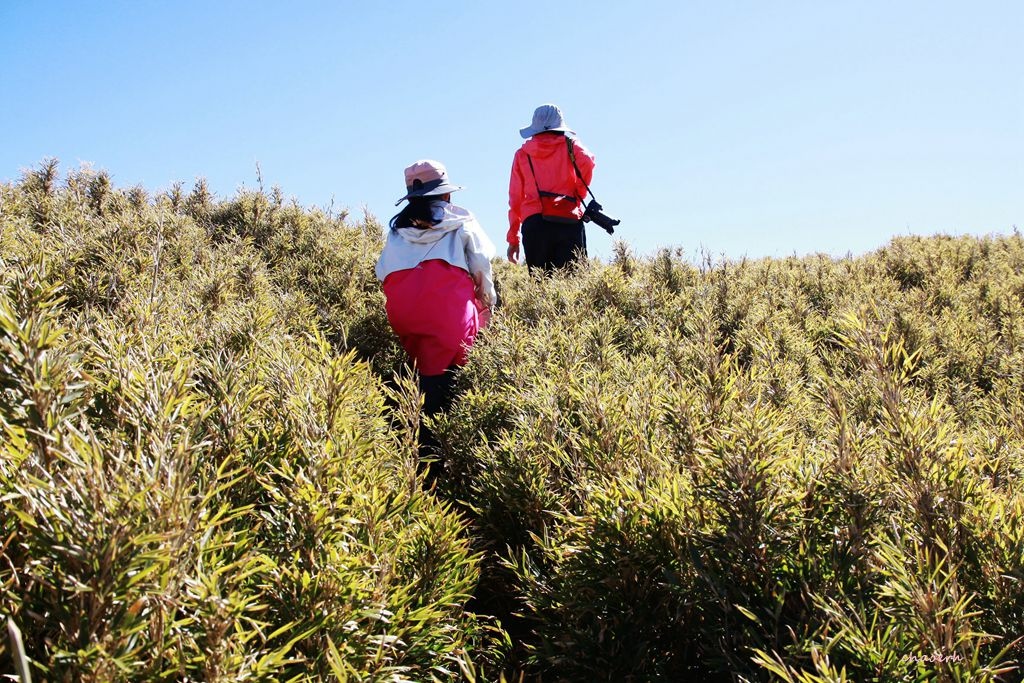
(433, 310)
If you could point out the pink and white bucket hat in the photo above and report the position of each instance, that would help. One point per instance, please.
(427, 178)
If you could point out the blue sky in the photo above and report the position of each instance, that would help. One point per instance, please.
(739, 127)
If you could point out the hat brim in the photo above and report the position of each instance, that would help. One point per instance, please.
(530, 131)
(444, 188)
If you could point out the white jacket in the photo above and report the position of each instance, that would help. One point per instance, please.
(457, 238)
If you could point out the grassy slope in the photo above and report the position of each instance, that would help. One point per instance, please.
(773, 468)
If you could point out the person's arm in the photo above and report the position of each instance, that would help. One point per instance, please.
(585, 162)
(382, 270)
(479, 251)
(515, 203)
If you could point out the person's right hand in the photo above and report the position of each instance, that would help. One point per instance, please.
(513, 253)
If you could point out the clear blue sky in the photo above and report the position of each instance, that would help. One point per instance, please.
(743, 127)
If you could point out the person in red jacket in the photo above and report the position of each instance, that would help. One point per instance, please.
(547, 192)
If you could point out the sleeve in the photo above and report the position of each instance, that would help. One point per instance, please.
(586, 164)
(515, 201)
(384, 266)
(479, 252)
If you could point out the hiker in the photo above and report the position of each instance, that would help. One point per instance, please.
(436, 275)
(546, 193)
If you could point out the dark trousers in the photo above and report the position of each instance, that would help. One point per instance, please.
(438, 395)
(438, 391)
(549, 245)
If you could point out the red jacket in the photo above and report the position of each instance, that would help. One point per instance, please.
(554, 174)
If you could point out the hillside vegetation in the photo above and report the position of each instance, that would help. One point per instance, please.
(802, 469)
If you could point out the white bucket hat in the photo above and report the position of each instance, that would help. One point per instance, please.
(427, 178)
(545, 117)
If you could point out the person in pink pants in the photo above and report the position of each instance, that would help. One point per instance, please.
(436, 273)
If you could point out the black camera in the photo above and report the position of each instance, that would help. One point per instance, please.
(593, 213)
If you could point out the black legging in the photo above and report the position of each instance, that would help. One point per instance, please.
(438, 391)
(438, 395)
(549, 245)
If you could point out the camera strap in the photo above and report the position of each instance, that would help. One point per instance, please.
(604, 221)
(572, 157)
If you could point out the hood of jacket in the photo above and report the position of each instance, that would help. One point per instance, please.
(449, 217)
(544, 146)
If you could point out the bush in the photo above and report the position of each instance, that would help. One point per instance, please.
(197, 485)
(800, 469)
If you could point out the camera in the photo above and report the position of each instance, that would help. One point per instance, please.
(593, 213)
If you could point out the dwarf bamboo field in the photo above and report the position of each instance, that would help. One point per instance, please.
(799, 469)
